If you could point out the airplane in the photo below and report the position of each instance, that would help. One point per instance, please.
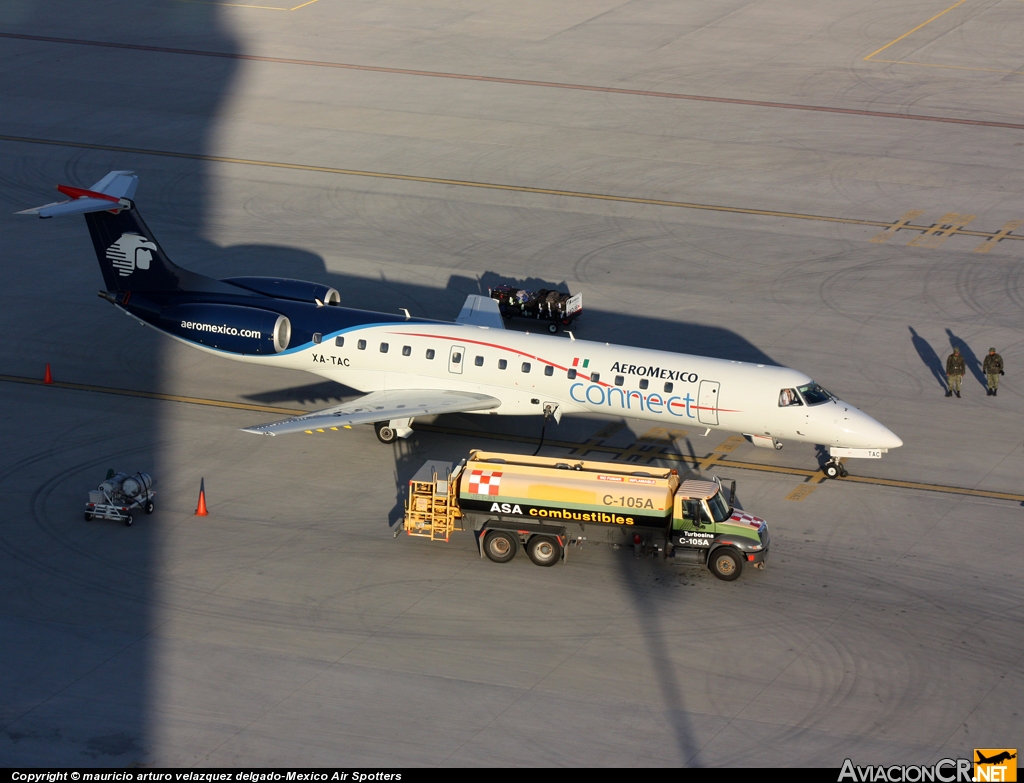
(996, 759)
(409, 367)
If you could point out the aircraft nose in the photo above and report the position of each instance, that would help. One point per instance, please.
(866, 432)
(888, 439)
(878, 435)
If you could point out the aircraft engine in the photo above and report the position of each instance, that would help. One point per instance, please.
(283, 288)
(229, 327)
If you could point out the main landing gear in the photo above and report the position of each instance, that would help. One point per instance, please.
(834, 468)
(385, 432)
(390, 431)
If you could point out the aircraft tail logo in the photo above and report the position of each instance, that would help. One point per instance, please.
(130, 252)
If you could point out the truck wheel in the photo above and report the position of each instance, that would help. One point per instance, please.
(149, 507)
(385, 434)
(499, 546)
(88, 517)
(725, 564)
(553, 328)
(544, 550)
(128, 521)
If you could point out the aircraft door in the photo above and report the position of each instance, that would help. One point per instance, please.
(456, 359)
(707, 402)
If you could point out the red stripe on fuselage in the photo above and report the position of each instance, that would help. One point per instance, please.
(553, 364)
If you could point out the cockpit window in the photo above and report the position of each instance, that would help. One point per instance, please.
(815, 394)
(789, 397)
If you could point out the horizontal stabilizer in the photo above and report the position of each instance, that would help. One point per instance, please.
(480, 311)
(381, 406)
(109, 194)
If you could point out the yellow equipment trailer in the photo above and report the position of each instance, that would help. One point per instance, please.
(545, 503)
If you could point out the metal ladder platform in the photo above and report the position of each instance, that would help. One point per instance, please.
(432, 509)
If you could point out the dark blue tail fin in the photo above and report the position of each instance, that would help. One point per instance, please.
(130, 257)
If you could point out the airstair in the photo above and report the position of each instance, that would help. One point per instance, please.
(432, 509)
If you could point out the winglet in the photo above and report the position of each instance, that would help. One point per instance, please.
(480, 311)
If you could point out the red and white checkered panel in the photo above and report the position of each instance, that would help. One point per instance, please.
(484, 482)
(741, 517)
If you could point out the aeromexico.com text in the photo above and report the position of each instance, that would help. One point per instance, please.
(222, 329)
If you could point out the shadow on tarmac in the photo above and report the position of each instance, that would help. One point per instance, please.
(77, 667)
(970, 359)
(929, 357)
(443, 304)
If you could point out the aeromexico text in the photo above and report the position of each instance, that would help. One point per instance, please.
(654, 372)
(563, 514)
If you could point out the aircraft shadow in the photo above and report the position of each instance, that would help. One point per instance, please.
(638, 329)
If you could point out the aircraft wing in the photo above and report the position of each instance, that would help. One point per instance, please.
(381, 406)
(480, 311)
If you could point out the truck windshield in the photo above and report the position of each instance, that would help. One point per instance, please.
(720, 510)
(815, 394)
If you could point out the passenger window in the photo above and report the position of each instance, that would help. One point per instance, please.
(572, 373)
(383, 347)
(479, 361)
(788, 397)
(644, 383)
(502, 364)
(406, 350)
(339, 342)
(317, 337)
(668, 387)
(619, 380)
(549, 370)
(595, 377)
(456, 358)
(361, 345)
(526, 366)
(430, 353)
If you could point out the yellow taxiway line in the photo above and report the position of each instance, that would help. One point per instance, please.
(714, 459)
(871, 57)
(923, 24)
(891, 227)
(242, 406)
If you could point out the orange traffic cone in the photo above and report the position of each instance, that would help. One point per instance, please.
(201, 508)
(47, 376)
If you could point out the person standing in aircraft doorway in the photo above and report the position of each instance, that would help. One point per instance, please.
(955, 369)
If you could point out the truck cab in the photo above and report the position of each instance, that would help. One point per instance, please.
(706, 528)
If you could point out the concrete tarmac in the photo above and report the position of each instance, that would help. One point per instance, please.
(289, 627)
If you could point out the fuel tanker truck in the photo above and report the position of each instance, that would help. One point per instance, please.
(545, 504)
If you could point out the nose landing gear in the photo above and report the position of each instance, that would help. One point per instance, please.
(834, 468)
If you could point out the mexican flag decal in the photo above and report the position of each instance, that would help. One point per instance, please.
(576, 363)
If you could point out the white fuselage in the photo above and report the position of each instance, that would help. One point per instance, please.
(528, 372)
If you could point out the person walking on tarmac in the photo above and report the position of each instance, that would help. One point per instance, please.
(955, 369)
(993, 368)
